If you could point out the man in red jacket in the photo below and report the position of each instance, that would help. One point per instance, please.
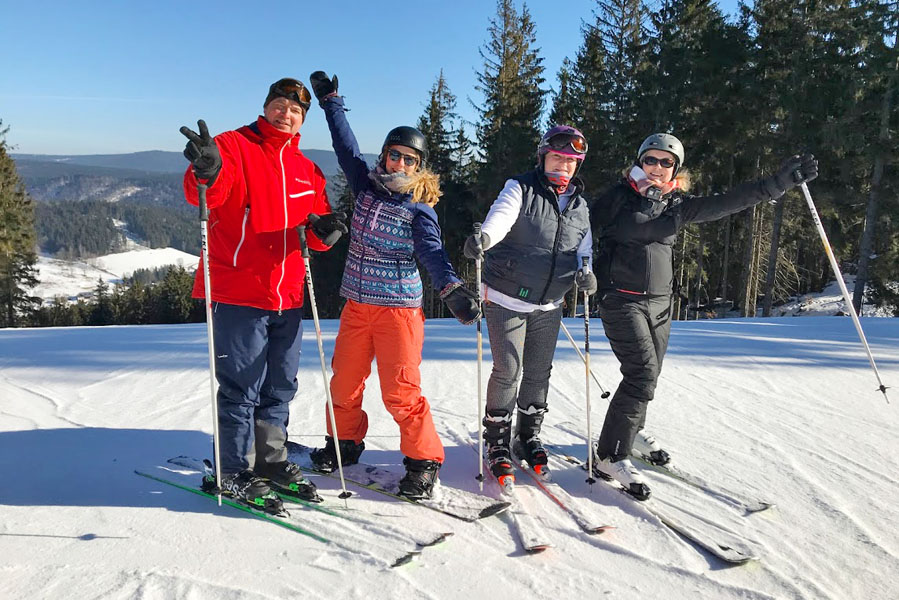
(260, 188)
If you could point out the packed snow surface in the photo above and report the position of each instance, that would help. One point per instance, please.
(786, 409)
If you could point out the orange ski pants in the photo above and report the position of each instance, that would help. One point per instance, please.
(394, 337)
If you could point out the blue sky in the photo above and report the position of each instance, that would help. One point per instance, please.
(112, 77)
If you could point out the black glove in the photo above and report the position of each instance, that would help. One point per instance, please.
(462, 302)
(474, 246)
(323, 87)
(586, 281)
(202, 152)
(794, 171)
(329, 227)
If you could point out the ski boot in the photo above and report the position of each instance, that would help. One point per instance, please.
(420, 478)
(325, 459)
(497, 435)
(624, 472)
(527, 445)
(647, 448)
(249, 489)
(287, 478)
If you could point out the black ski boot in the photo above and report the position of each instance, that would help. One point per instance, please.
(497, 436)
(421, 475)
(325, 459)
(287, 478)
(527, 444)
(247, 488)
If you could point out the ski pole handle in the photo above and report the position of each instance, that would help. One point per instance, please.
(304, 248)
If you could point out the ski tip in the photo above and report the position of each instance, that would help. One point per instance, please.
(405, 559)
(438, 539)
(537, 549)
(494, 509)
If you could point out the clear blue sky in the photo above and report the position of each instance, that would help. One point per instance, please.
(118, 76)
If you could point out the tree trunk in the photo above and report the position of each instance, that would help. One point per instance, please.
(867, 241)
(771, 274)
(747, 299)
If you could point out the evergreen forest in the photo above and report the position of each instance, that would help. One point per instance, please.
(743, 93)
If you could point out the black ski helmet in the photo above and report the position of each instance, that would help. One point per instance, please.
(407, 136)
(666, 142)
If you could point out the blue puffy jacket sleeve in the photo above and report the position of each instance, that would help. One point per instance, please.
(345, 145)
(429, 248)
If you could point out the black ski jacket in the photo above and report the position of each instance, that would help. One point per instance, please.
(636, 234)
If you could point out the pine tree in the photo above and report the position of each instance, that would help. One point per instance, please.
(437, 125)
(18, 259)
(510, 82)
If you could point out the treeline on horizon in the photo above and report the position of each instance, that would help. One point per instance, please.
(784, 76)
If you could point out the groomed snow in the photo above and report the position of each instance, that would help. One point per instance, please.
(785, 407)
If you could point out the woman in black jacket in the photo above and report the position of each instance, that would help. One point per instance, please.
(636, 222)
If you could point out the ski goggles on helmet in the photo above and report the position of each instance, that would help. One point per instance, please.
(653, 160)
(567, 141)
(408, 159)
(292, 90)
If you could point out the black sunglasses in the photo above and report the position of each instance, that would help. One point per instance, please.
(408, 159)
(652, 160)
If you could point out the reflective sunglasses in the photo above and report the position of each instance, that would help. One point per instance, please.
(664, 162)
(408, 159)
(292, 90)
(563, 140)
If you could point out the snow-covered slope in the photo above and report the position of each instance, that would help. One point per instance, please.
(71, 278)
(786, 407)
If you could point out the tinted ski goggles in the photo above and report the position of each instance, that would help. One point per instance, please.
(292, 90)
(652, 160)
(564, 141)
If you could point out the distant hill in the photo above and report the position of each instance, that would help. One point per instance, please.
(152, 161)
(76, 195)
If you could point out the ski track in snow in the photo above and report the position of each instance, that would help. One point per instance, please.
(786, 411)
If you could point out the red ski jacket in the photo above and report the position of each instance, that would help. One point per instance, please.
(266, 187)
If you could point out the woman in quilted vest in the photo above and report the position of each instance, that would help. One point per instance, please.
(534, 239)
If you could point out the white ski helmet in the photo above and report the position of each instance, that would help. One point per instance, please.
(666, 142)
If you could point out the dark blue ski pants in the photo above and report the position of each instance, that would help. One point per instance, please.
(257, 357)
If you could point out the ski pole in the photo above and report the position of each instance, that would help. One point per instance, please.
(204, 243)
(605, 393)
(836, 270)
(344, 494)
(477, 276)
(590, 479)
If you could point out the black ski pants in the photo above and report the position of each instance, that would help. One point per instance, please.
(637, 328)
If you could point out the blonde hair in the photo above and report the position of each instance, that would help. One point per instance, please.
(424, 185)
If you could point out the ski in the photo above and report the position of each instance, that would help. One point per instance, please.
(739, 501)
(532, 535)
(568, 503)
(455, 502)
(170, 477)
(422, 538)
(700, 529)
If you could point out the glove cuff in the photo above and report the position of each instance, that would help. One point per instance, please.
(449, 289)
(774, 191)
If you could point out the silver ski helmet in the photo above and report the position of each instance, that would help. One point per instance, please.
(666, 142)
(407, 136)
